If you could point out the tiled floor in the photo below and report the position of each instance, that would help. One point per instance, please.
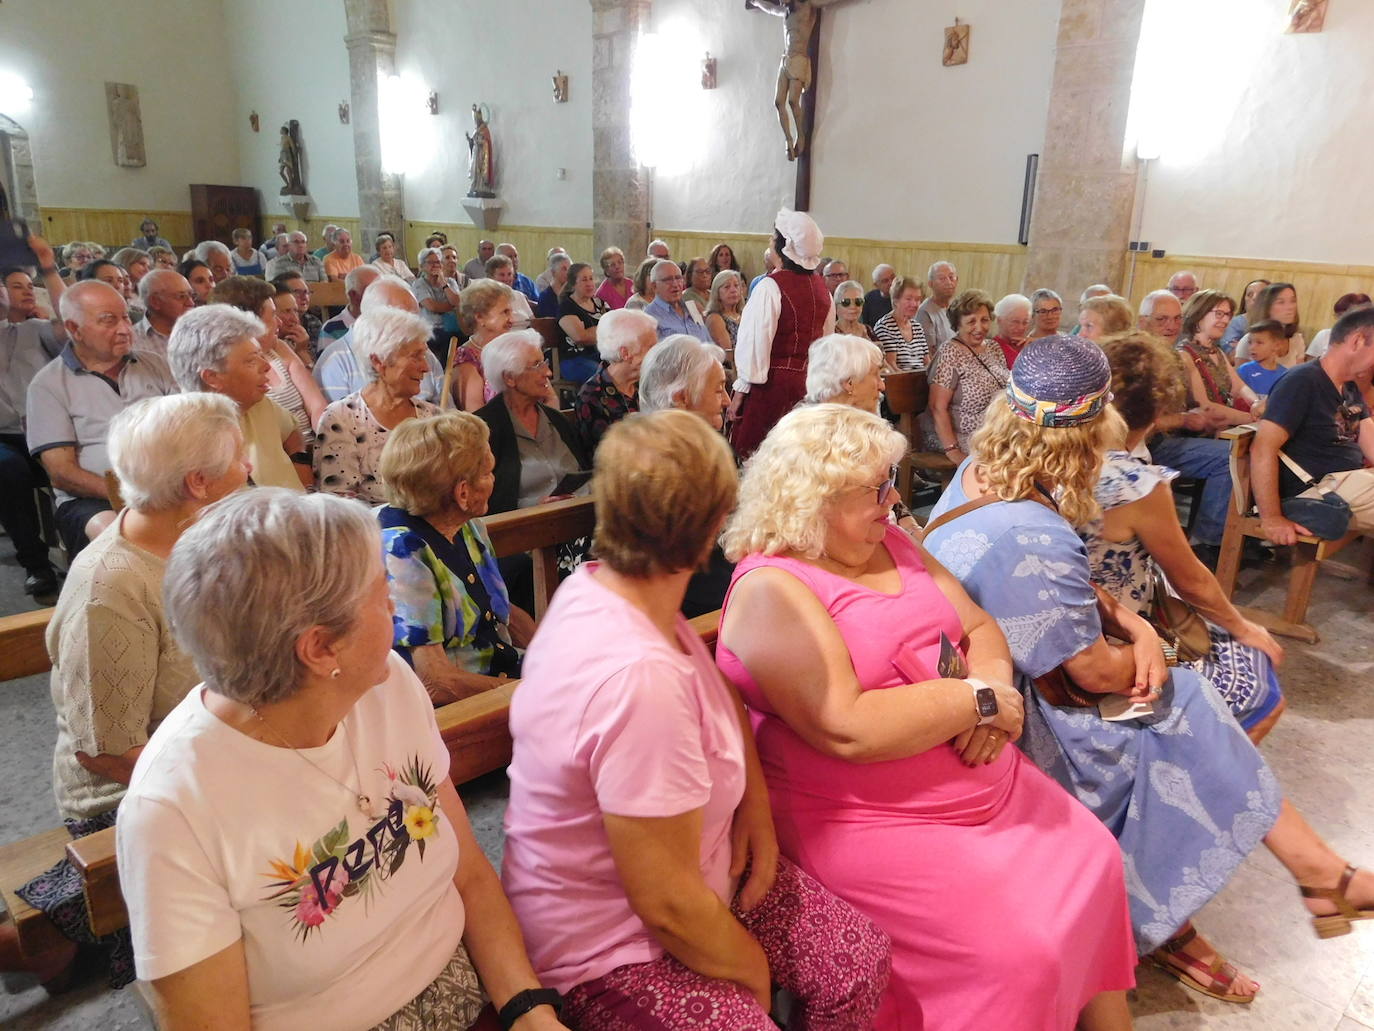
(1322, 751)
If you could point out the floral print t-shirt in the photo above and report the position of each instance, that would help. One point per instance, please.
(600, 404)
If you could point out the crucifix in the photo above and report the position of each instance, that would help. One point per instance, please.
(796, 92)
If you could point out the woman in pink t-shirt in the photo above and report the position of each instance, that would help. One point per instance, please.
(637, 803)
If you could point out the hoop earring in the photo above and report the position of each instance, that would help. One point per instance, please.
(336, 674)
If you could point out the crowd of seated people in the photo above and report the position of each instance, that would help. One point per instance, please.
(934, 695)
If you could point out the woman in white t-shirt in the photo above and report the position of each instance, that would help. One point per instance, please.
(291, 849)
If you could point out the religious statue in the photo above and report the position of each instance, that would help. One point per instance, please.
(289, 161)
(956, 44)
(126, 125)
(794, 73)
(560, 87)
(481, 158)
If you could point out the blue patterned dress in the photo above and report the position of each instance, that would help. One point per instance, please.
(1242, 675)
(1184, 790)
(447, 593)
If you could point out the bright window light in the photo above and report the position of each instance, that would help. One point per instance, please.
(1193, 64)
(666, 100)
(406, 125)
(16, 95)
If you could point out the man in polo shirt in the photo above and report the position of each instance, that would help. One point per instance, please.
(477, 267)
(340, 370)
(877, 303)
(943, 280)
(300, 290)
(1317, 416)
(296, 260)
(355, 284)
(523, 283)
(166, 297)
(27, 343)
(73, 398)
(667, 308)
(341, 261)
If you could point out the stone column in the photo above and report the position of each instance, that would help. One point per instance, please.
(371, 57)
(1085, 193)
(620, 187)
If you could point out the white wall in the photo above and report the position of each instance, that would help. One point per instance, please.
(290, 62)
(502, 53)
(172, 51)
(1265, 142)
(906, 148)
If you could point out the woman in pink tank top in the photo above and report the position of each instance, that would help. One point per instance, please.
(882, 706)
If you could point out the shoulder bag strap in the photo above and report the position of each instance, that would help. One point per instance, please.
(959, 511)
(1302, 474)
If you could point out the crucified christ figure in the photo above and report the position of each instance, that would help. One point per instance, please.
(794, 74)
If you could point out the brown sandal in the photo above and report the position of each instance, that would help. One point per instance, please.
(1333, 925)
(1211, 979)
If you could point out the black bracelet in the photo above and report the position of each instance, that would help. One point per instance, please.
(522, 1002)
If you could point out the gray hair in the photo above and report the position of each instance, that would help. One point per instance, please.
(622, 328)
(297, 236)
(157, 442)
(72, 304)
(835, 360)
(930, 272)
(835, 261)
(878, 269)
(848, 284)
(425, 253)
(1147, 303)
(126, 256)
(208, 247)
(246, 555)
(381, 333)
(649, 251)
(1009, 304)
(203, 338)
(660, 264)
(559, 258)
(1096, 290)
(675, 365)
(1044, 294)
(506, 356)
(360, 278)
(157, 279)
(1180, 274)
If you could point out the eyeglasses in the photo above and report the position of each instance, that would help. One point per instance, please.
(538, 366)
(1048, 311)
(852, 302)
(885, 489)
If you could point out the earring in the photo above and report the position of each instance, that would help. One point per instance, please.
(336, 674)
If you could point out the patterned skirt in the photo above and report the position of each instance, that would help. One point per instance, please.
(452, 1002)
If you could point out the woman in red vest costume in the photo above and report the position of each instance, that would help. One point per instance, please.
(788, 309)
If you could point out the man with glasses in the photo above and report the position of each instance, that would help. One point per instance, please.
(297, 260)
(300, 290)
(943, 280)
(836, 272)
(1318, 418)
(166, 297)
(667, 308)
(1047, 312)
(877, 303)
(1183, 285)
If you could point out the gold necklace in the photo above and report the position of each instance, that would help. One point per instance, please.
(363, 801)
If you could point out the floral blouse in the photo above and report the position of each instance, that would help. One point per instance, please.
(600, 405)
(1215, 372)
(349, 446)
(974, 378)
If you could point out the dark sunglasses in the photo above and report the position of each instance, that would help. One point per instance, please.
(852, 302)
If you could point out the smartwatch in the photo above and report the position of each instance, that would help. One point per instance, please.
(984, 699)
(522, 1002)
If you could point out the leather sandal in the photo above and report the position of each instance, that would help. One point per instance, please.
(1212, 979)
(1333, 925)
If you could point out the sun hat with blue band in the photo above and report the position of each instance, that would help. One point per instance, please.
(1060, 381)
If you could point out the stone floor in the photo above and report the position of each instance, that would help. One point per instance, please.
(1321, 752)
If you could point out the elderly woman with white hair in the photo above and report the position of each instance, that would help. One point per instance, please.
(1047, 311)
(117, 672)
(682, 372)
(215, 348)
(844, 369)
(437, 294)
(551, 296)
(388, 261)
(353, 430)
(849, 304)
(452, 615)
(1013, 316)
(291, 849)
(611, 393)
(538, 452)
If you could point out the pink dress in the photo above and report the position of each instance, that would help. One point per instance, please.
(1003, 895)
(613, 298)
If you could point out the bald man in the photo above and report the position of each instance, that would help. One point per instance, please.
(355, 284)
(166, 297)
(341, 369)
(477, 268)
(73, 398)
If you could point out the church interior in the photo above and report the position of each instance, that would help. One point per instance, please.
(975, 156)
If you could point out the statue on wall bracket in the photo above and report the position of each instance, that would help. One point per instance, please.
(1307, 16)
(795, 71)
(481, 155)
(289, 160)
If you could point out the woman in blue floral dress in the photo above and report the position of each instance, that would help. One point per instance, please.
(1181, 786)
(454, 622)
(1139, 531)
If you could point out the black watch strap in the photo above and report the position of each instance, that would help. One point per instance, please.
(522, 1002)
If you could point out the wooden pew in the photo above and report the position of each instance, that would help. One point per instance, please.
(22, 651)
(1243, 521)
(329, 294)
(476, 731)
(540, 530)
(908, 396)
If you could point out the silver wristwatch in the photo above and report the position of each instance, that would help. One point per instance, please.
(984, 700)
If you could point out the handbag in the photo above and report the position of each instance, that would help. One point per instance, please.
(1326, 514)
(1056, 687)
(1177, 622)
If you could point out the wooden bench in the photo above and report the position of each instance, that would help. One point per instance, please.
(908, 396)
(553, 336)
(475, 727)
(1242, 521)
(328, 295)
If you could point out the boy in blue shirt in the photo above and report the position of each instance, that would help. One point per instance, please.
(1267, 343)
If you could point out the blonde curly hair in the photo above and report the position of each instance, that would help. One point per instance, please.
(812, 454)
(1014, 455)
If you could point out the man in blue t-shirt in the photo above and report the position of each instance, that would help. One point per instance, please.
(1318, 417)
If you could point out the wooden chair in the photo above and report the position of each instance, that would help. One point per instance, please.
(552, 336)
(327, 296)
(1242, 521)
(908, 395)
